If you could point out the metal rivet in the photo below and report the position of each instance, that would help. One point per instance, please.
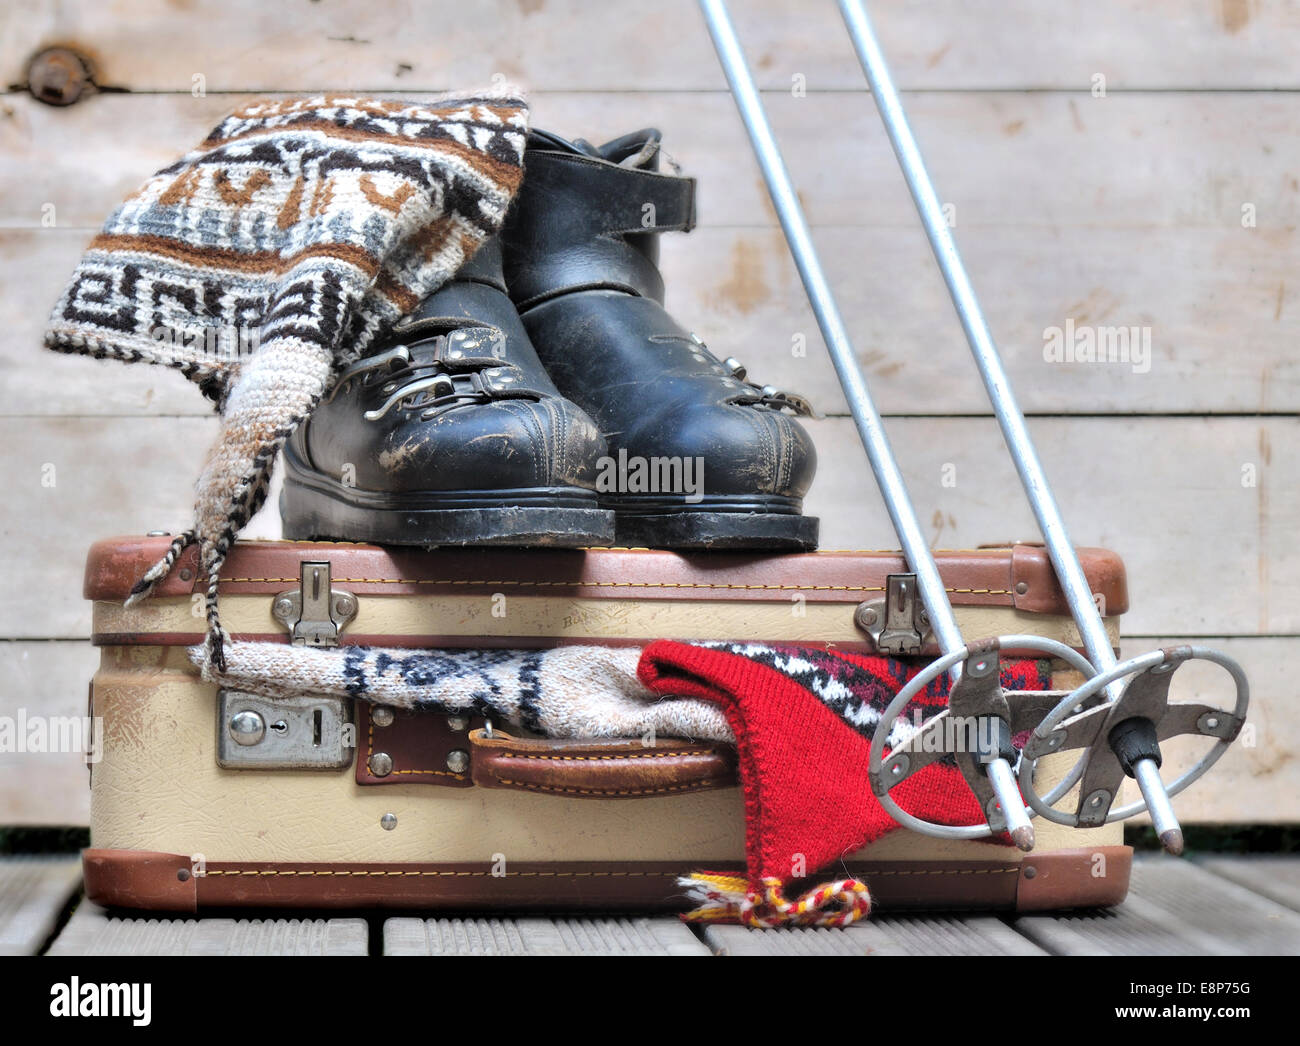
(283, 607)
(458, 760)
(183, 874)
(457, 723)
(388, 822)
(1212, 722)
(57, 76)
(381, 715)
(866, 615)
(1030, 871)
(381, 764)
(1056, 740)
(186, 574)
(247, 728)
(345, 605)
(1022, 587)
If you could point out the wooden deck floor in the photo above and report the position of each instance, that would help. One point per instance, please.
(1203, 905)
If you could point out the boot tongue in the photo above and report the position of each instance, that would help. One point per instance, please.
(638, 149)
(554, 143)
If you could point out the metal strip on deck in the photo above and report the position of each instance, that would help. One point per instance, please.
(94, 931)
(917, 935)
(613, 936)
(33, 893)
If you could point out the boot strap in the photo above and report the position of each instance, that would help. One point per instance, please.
(622, 200)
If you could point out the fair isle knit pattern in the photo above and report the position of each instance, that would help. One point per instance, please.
(296, 234)
(859, 695)
(579, 692)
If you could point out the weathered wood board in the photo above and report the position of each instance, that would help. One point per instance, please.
(1206, 555)
(246, 45)
(540, 936)
(1219, 335)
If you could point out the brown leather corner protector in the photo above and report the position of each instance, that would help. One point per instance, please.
(623, 768)
(417, 745)
(140, 879)
(1087, 877)
(1036, 590)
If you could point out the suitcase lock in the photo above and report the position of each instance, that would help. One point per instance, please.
(293, 733)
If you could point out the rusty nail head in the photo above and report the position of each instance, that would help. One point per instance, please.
(57, 76)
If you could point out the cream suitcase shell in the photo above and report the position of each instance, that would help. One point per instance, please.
(171, 829)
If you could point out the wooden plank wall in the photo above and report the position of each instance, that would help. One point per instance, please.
(1168, 202)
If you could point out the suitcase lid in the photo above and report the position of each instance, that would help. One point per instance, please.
(1018, 576)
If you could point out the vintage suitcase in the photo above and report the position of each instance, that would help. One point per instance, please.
(450, 818)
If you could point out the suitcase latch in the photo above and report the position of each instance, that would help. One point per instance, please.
(314, 613)
(897, 624)
(293, 733)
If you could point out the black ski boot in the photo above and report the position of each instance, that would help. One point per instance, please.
(581, 262)
(450, 434)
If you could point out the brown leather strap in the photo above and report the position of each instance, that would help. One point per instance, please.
(625, 768)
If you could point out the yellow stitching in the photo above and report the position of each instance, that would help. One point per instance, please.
(946, 871)
(590, 758)
(556, 584)
(601, 584)
(370, 750)
(545, 875)
(576, 875)
(530, 787)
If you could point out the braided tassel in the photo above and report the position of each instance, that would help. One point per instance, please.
(143, 588)
(725, 898)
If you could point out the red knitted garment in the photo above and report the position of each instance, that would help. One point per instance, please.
(803, 719)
